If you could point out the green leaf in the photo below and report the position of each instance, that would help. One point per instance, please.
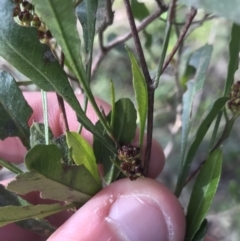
(201, 233)
(86, 12)
(124, 128)
(82, 154)
(199, 60)
(39, 226)
(202, 130)
(37, 137)
(227, 9)
(203, 192)
(11, 214)
(54, 179)
(61, 20)
(113, 103)
(139, 10)
(9, 198)
(104, 16)
(21, 48)
(14, 110)
(141, 93)
(42, 68)
(234, 48)
(124, 124)
(103, 155)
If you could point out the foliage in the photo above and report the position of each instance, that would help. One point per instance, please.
(42, 40)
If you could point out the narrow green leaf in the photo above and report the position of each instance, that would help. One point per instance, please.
(39, 226)
(141, 93)
(37, 137)
(227, 9)
(113, 103)
(199, 60)
(202, 231)
(124, 128)
(86, 13)
(139, 10)
(9, 198)
(61, 20)
(42, 67)
(11, 214)
(104, 16)
(11, 167)
(21, 48)
(202, 130)
(82, 154)
(55, 180)
(14, 110)
(45, 116)
(203, 192)
(124, 124)
(103, 155)
(234, 48)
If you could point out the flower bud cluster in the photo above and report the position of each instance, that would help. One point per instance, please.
(24, 15)
(234, 99)
(131, 164)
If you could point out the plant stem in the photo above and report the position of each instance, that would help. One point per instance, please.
(121, 39)
(45, 116)
(161, 4)
(11, 167)
(61, 102)
(149, 82)
(181, 37)
(166, 41)
(225, 135)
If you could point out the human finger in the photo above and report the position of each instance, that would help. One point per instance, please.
(12, 149)
(137, 211)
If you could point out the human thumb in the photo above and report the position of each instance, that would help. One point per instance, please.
(141, 210)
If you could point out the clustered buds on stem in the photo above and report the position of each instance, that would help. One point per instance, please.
(234, 99)
(131, 164)
(24, 15)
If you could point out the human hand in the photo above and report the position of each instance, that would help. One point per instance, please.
(141, 210)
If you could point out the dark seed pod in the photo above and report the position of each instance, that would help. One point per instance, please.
(125, 166)
(27, 6)
(27, 17)
(234, 99)
(16, 11)
(41, 34)
(48, 34)
(128, 152)
(36, 22)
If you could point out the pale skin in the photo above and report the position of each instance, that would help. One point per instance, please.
(125, 210)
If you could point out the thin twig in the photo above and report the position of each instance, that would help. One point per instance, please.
(121, 39)
(181, 37)
(194, 173)
(166, 40)
(205, 18)
(60, 100)
(161, 4)
(149, 82)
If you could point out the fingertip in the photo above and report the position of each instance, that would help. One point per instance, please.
(140, 210)
(157, 159)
